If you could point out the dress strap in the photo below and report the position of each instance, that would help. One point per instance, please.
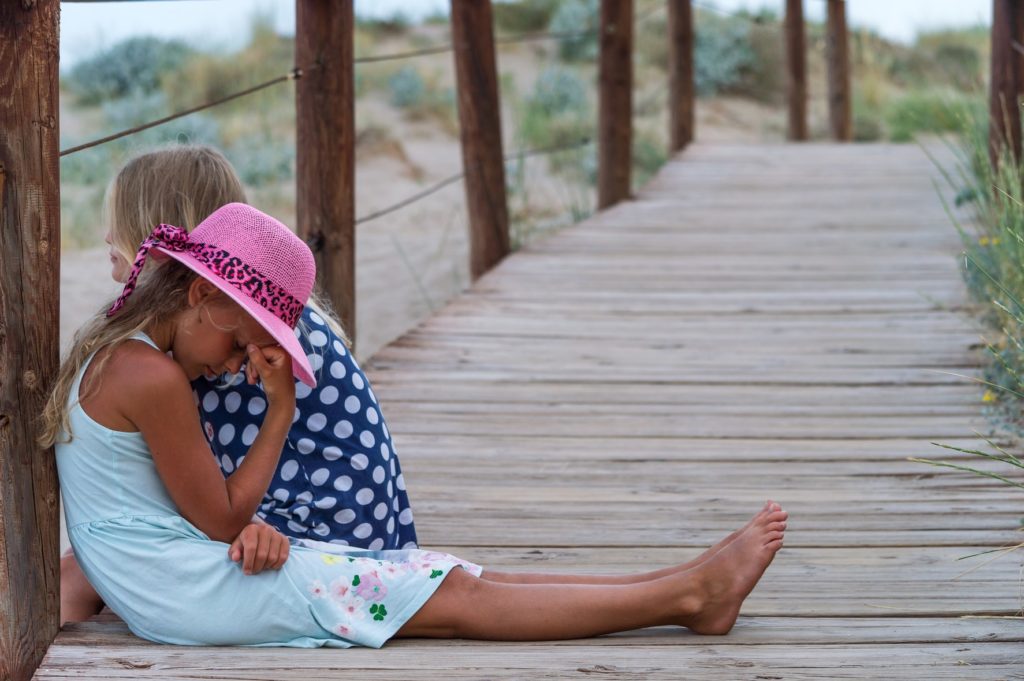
(140, 335)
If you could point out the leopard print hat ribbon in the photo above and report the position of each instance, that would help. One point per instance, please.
(220, 262)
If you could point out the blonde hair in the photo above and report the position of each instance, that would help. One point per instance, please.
(161, 294)
(181, 185)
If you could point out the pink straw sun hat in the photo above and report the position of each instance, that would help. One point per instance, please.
(254, 259)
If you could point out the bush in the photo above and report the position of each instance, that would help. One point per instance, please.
(261, 160)
(557, 111)
(132, 66)
(574, 16)
(722, 53)
(407, 87)
(524, 16)
(926, 111)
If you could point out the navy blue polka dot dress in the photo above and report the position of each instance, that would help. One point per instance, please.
(338, 479)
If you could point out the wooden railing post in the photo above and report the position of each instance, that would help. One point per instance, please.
(615, 115)
(1007, 77)
(840, 106)
(325, 147)
(476, 72)
(796, 69)
(681, 85)
(29, 331)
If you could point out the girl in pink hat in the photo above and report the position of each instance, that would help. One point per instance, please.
(339, 478)
(149, 518)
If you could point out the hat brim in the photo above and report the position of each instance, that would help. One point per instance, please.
(281, 332)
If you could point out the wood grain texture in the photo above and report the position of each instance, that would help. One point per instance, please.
(29, 295)
(1007, 80)
(325, 133)
(681, 88)
(837, 54)
(615, 103)
(776, 321)
(796, 70)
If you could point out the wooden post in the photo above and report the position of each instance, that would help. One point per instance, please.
(1007, 78)
(796, 69)
(476, 74)
(840, 110)
(29, 331)
(681, 86)
(615, 115)
(325, 147)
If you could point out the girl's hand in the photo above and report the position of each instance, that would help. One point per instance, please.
(259, 547)
(272, 366)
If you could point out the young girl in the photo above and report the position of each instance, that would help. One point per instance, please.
(148, 518)
(338, 478)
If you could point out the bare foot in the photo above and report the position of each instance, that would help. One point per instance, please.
(729, 576)
(708, 553)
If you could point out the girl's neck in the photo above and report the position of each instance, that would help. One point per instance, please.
(161, 334)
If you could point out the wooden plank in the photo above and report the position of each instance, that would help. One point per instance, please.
(615, 103)
(325, 147)
(29, 330)
(476, 74)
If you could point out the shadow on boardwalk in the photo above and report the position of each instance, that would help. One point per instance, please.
(761, 322)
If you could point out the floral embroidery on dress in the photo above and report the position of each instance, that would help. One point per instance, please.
(317, 589)
(369, 586)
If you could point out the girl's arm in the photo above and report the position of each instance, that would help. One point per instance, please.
(159, 403)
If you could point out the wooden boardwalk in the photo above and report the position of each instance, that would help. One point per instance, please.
(777, 321)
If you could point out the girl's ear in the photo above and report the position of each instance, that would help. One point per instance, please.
(200, 291)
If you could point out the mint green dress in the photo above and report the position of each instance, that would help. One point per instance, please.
(171, 583)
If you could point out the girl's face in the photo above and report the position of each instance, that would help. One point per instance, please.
(119, 267)
(212, 336)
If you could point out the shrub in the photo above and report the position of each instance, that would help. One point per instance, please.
(132, 66)
(721, 53)
(524, 16)
(557, 111)
(574, 16)
(407, 87)
(926, 111)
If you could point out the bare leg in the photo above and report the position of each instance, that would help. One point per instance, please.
(78, 600)
(777, 516)
(706, 599)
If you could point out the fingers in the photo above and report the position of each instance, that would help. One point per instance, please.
(235, 550)
(259, 547)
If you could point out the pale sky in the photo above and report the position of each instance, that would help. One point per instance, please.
(87, 27)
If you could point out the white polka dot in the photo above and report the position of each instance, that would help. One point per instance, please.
(400, 482)
(394, 504)
(362, 531)
(239, 462)
(391, 489)
(372, 416)
(296, 528)
(369, 391)
(325, 503)
(304, 497)
(316, 422)
(377, 544)
(257, 405)
(366, 437)
(317, 319)
(391, 525)
(318, 339)
(358, 382)
(385, 451)
(232, 402)
(360, 462)
(332, 453)
(289, 469)
(352, 404)
(298, 415)
(226, 463)
(226, 434)
(387, 433)
(305, 445)
(337, 369)
(329, 395)
(322, 530)
(249, 434)
(210, 401)
(315, 361)
(195, 398)
(394, 469)
(339, 347)
(281, 494)
(339, 542)
(319, 476)
(343, 483)
(409, 545)
(364, 496)
(405, 517)
(380, 511)
(298, 332)
(302, 512)
(345, 515)
(343, 430)
(379, 474)
(302, 391)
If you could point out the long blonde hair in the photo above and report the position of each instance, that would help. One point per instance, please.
(161, 294)
(181, 185)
